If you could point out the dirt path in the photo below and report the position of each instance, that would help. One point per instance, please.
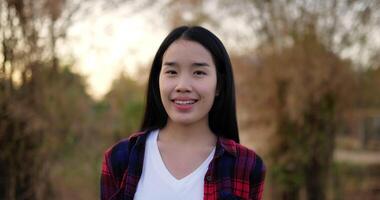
(357, 157)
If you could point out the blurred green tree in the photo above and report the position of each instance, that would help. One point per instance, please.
(124, 107)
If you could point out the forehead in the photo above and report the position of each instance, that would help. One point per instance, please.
(185, 50)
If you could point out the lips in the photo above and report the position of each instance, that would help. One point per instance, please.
(184, 104)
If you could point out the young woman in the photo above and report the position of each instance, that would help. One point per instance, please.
(188, 147)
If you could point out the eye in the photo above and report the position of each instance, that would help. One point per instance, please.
(171, 72)
(200, 73)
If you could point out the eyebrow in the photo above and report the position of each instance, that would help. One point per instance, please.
(170, 63)
(201, 64)
(195, 64)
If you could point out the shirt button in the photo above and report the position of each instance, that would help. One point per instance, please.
(208, 178)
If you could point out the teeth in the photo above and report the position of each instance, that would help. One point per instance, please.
(184, 102)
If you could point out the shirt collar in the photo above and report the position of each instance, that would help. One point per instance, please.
(222, 144)
(225, 145)
(139, 138)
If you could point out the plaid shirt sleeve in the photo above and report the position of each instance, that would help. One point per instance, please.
(108, 183)
(257, 178)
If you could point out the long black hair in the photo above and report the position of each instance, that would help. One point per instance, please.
(222, 116)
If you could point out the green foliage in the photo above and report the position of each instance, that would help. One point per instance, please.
(369, 84)
(124, 107)
(353, 180)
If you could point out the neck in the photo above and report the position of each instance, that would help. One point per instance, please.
(194, 134)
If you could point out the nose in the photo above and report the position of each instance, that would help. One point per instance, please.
(183, 84)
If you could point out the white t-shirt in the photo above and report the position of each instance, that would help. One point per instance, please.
(156, 182)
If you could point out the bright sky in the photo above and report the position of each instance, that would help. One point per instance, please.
(116, 42)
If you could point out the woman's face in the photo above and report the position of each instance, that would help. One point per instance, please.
(187, 82)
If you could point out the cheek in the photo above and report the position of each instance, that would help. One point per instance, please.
(208, 89)
(165, 87)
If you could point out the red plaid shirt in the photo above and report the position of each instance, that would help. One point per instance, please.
(235, 172)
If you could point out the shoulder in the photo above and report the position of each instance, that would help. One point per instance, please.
(249, 155)
(121, 147)
(240, 151)
(118, 154)
(245, 158)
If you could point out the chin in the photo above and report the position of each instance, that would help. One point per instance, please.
(184, 120)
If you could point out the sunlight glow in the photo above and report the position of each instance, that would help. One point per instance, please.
(112, 44)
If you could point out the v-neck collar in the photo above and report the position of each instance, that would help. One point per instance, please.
(165, 171)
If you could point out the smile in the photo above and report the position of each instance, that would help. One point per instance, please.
(184, 102)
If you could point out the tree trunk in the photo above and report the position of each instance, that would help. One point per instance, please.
(323, 123)
(291, 194)
(315, 181)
